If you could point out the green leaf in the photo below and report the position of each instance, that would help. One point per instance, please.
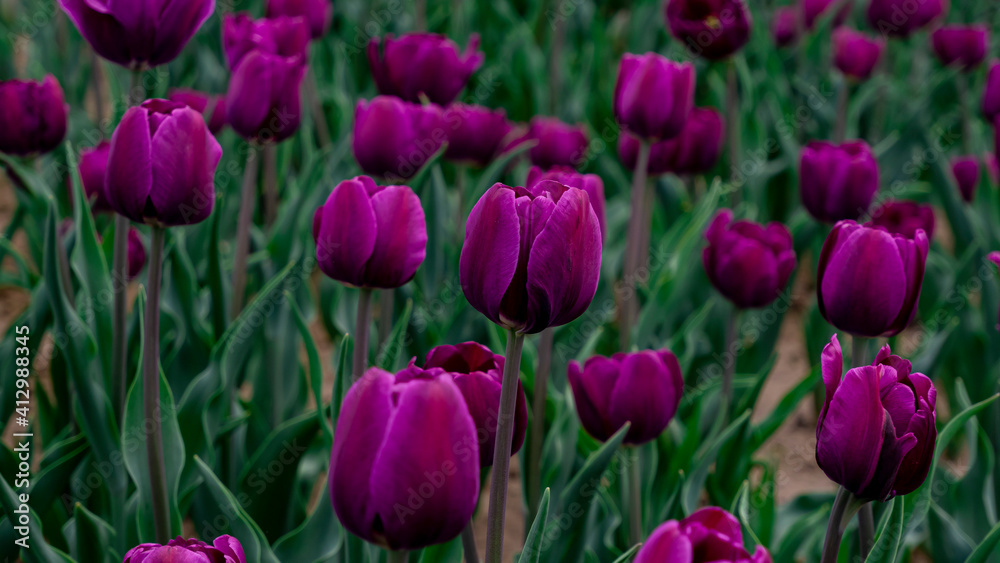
(890, 534)
(242, 527)
(985, 548)
(315, 367)
(393, 347)
(532, 552)
(319, 538)
(627, 556)
(93, 536)
(38, 551)
(692, 487)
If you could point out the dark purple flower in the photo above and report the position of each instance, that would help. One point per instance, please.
(992, 168)
(653, 95)
(694, 151)
(93, 168)
(287, 37)
(991, 94)
(900, 18)
(225, 549)
(961, 44)
(856, 54)
(713, 29)
(876, 431)
(837, 181)
(590, 183)
(559, 144)
(212, 107)
(532, 256)
(422, 63)
(661, 154)
(785, 26)
(709, 535)
(319, 13)
(476, 135)
(136, 254)
(813, 10)
(34, 114)
(393, 139)
(904, 218)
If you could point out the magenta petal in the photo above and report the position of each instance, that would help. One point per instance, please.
(130, 165)
(882, 486)
(347, 233)
(230, 547)
(832, 362)
(643, 395)
(717, 520)
(489, 255)
(592, 388)
(176, 23)
(184, 169)
(401, 239)
(917, 462)
(667, 543)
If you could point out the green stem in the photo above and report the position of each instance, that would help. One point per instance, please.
(629, 301)
(733, 127)
(866, 530)
(859, 356)
(243, 222)
(469, 544)
(840, 125)
(635, 496)
(839, 517)
(270, 184)
(397, 557)
(361, 326)
(151, 392)
(501, 451)
(316, 107)
(536, 438)
(386, 313)
(963, 102)
(729, 369)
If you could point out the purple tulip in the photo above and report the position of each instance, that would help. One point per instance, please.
(559, 144)
(694, 151)
(476, 135)
(642, 388)
(709, 535)
(138, 33)
(532, 256)
(33, 119)
(394, 139)
(161, 169)
(785, 26)
(995, 258)
(661, 154)
(713, 29)
(590, 183)
(212, 107)
(93, 168)
(876, 431)
(225, 549)
(904, 218)
(422, 63)
(965, 45)
(404, 469)
(284, 36)
(370, 236)
(319, 13)
(900, 18)
(748, 263)
(991, 94)
(869, 279)
(478, 373)
(837, 181)
(136, 254)
(813, 10)
(856, 54)
(653, 95)
(992, 168)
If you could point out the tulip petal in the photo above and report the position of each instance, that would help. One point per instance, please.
(101, 30)
(400, 240)
(230, 547)
(913, 254)
(490, 253)
(917, 462)
(347, 233)
(894, 449)
(130, 165)
(592, 389)
(184, 169)
(717, 520)
(667, 543)
(248, 100)
(643, 395)
(832, 362)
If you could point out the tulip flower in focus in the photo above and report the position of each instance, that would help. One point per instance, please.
(900, 18)
(404, 468)
(136, 254)
(559, 144)
(161, 166)
(876, 431)
(713, 29)
(748, 263)
(642, 388)
(394, 139)
(224, 549)
(653, 95)
(422, 64)
(991, 94)
(212, 107)
(590, 183)
(138, 33)
(963, 45)
(904, 218)
(869, 279)
(93, 167)
(370, 236)
(34, 116)
(856, 54)
(319, 13)
(785, 26)
(837, 181)
(476, 135)
(708, 535)
(813, 10)
(478, 373)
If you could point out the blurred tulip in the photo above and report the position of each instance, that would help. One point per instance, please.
(212, 107)
(319, 13)
(837, 181)
(748, 263)
(138, 33)
(404, 468)
(869, 279)
(713, 29)
(34, 115)
(900, 18)
(225, 549)
(653, 95)
(785, 26)
(965, 171)
(136, 254)
(161, 168)
(991, 94)
(532, 256)
(856, 54)
(478, 373)
(394, 139)
(643, 388)
(370, 236)
(904, 218)
(476, 135)
(287, 37)
(559, 144)
(422, 63)
(698, 146)
(992, 168)
(995, 258)
(965, 45)
(590, 183)
(876, 431)
(661, 154)
(93, 167)
(709, 535)
(813, 10)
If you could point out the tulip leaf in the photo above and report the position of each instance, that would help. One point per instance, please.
(93, 536)
(215, 285)
(532, 551)
(317, 539)
(391, 351)
(315, 367)
(692, 487)
(987, 547)
(890, 533)
(342, 379)
(627, 556)
(38, 551)
(784, 409)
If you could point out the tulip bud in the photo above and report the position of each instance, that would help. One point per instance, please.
(964, 45)
(370, 236)
(161, 168)
(785, 26)
(422, 63)
(559, 144)
(709, 535)
(855, 54)
(991, 95)
(837, 181)
(748, 263)
(590, 183)
(642, 388)
(138, 32)
(93, 168)
(900, 18)
(478, 373)
(813, 10)
(476, 135)
(136, 254)
(394, 139)
(212, 107)
(225, 549)
(532, 256)
(876, 431)
(904, 218)
(711, 29)
(995, 258)
(33, 119)
(404, 470)
(319, 13)
(653, 95)
(869, 279)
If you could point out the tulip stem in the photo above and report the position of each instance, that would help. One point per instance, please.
(537, 437)
(469, 544)
(386, 313)
(729, 369)
(963, 101)
(316, 106)
(247, 198)
(866, 530)
(361, 327)
(859, 356)
(840, 125)
(841, 513)
(397, 557)
(633, 243)
(151, 391)
(635, 496)
(733, 127)
(501, 450)
(270, 184)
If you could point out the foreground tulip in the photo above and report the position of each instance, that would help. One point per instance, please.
(212, 107)
(991, 95)
(404, 468)
(962, 45)
(856, 54)
(319, 13)
(785, 26)
(225, 549)
(837, 181)
(713, 29)
(590, 183)
(709, 535)
(93, 168)
(904, 218)
(422, 63)
(559, 144)
(34, 116)
(748, 263)
(653, 95)
(394, 139)
(813, 10)
(138, 33)
(869, 280)
(476, 135)
(136, 254)
(900, 18)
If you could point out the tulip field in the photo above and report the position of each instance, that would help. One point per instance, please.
(433, 281)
